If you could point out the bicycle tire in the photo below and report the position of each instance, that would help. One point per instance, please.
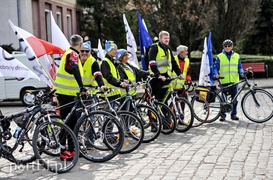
(200, 108)
(184, 117)
(167, 117)
(94, 147)
(133, 131)
(51, 132)
(257, 109)
(151, 122)
(214, 107)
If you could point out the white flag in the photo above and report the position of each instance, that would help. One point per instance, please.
(100, 53)
(58, 39)
(131, 43)
(205, 67)
(11, 67)
(22, 36)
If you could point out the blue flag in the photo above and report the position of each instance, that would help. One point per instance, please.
(210, 58)
(145, 40)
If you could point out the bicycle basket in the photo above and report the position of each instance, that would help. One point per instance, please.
(203, 92)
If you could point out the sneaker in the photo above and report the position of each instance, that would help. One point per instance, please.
(222, 119)
(234, 118)
(66, 155)
(73, 153)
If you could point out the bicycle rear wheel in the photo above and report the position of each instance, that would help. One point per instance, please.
(100, 136)
(57, 138)
(184, 115)
(167, 117)
(257, 105)
(200, 108)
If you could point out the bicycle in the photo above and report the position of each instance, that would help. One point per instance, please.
(99, 133)
(146, 116)
(131, 124)
(46, 136)
(180, 106)
(256, 103)
(166, 115)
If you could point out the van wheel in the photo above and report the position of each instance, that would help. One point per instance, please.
(27, 98)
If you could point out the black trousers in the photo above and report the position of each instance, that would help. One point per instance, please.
(64, 99)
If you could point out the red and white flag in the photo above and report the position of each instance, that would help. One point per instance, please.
(32, 45)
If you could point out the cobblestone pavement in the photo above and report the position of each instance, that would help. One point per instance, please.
(219, 150)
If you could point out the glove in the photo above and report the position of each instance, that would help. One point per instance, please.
(83, 89)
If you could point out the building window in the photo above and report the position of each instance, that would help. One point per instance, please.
(59, 20)
(69, 26)
(48, 26)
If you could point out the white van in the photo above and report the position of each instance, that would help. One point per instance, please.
(12, 89)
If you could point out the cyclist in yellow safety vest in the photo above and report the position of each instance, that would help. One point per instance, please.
(91, 70)
(229, 66)
(162, 63)
(110, 73)
(183, 63)
(67, 83)
(129, 72)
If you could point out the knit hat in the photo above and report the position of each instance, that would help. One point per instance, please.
(86, 45)
(120, 53)
(109, 46)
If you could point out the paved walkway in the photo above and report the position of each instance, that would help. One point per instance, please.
(220, 150)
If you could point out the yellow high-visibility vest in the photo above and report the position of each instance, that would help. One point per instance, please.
(229, 68)
(115, 74)
(66, 83)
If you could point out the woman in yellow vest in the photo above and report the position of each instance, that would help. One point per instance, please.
(67, 83)
(229, 66)
(129, 72)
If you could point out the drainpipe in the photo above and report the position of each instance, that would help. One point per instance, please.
(19, 13)
(19, 18)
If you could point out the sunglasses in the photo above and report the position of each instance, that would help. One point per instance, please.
(86, 51)
(227, 46)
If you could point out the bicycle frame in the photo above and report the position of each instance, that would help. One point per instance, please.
(244, 82)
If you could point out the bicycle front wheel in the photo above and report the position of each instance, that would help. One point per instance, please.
(151, 122)
(61, 141)
(133, 131)
(167, 117)
(257, 105)
(100, 136)
(184, 114)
